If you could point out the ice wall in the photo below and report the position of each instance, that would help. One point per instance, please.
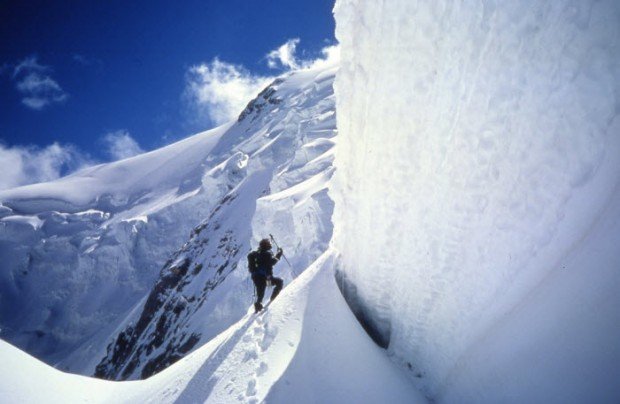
(478, 169)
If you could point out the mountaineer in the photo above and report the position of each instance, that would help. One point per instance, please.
(260, 265)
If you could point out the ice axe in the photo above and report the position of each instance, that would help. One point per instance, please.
(283, 256)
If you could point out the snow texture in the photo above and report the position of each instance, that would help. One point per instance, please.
(477, 192)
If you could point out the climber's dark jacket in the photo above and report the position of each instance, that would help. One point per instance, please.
(261, 262)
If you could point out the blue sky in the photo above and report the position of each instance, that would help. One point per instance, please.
(104, 80)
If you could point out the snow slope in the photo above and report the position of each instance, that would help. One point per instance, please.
(82, 255)
(77, 252)
(476, 193)
(297, 351)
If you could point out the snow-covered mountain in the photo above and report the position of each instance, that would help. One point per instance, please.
(102, 256)
(78, 252)
(476, 224)
(277, 185)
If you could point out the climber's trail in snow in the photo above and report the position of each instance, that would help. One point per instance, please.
(306, 348)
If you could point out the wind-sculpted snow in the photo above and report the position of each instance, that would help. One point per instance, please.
(81, 255)
(278, 187)
(477, 160)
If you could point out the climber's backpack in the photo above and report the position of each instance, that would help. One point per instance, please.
(252, 264)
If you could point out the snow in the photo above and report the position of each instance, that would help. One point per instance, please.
(32, 221)
(25, 379)
(477, 161)
(475, 191)
(119, 182)
(296, 351)
(274, 183)
(82, 253)
(573, 354)
(77, 252)
(299, 352)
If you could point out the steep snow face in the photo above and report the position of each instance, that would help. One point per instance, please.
(80, 255)
(477, 166)
(280, 190)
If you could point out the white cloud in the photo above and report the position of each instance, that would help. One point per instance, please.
(36, 86)
(330, 57)
(29, 64)
(26, 165)
(284, 56)
(219, 91)
(23, 165)
(120, 145)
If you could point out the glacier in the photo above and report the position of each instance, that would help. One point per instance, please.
(477, 192)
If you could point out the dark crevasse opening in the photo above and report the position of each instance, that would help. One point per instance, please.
(378, 330)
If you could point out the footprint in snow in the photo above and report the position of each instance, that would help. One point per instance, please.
(250, 355)
(268, 338)
(262, 369)
(251, 390)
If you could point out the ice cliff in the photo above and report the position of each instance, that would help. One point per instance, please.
(477, 193)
